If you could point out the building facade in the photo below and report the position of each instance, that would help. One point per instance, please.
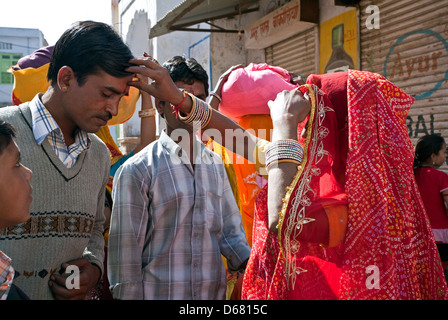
(404, 40)
(14, 44)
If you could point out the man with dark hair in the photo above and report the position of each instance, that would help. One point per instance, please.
(174, 213)
(58, 252)
(188, 71)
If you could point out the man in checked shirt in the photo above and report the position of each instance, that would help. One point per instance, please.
(174, 213)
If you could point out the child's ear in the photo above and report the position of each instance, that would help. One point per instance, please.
(433, 158)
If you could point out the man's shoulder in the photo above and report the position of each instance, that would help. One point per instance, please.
(147, 153)
(15, 115)
(97, 155)
(9, 111)
(98, 147)
(97, 140)
(140, 161)
(209, 155)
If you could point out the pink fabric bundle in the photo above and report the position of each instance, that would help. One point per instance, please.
(248, 90)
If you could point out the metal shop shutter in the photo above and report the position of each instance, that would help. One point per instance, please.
(410, 48)
(298, 54)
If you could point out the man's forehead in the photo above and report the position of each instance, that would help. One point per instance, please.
(108, 81)
(117, 90)
(197, 88)
(117, 85)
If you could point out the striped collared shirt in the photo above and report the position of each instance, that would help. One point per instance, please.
(45, 126)
(6, 275)
(170, 225)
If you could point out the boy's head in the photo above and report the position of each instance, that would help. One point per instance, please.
(88, 47)
(189, 75)
(15, 188)
(187, 71)
(88, 77)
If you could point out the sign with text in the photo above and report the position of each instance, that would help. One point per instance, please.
(276, 26)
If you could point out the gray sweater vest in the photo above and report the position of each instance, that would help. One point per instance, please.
(67, 211)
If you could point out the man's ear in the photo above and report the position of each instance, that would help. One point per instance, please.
(159, 105)
(66, 75)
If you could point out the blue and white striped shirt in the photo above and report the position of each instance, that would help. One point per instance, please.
(44, 126)
(171, 223)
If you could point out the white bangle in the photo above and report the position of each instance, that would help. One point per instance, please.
(286, 150)
(147, 113)
(214, 94)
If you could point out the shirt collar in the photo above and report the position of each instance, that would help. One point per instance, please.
(42, 121)
(173, 148)
(43, 124)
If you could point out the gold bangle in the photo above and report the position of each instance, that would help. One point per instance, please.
(209, 118)
(147, 113)
(200, 111)
(193, 107)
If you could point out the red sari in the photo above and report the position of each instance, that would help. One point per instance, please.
(388, 251)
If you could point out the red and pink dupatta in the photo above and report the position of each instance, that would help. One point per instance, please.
(357, 156)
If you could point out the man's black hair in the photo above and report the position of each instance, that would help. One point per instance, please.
(186, 70)
(88, 47)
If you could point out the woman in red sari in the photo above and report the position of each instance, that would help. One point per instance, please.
(351, 224)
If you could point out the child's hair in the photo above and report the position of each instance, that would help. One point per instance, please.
(7, 132)
(426, 146)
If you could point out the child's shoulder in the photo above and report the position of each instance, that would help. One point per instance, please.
(436, 176)
(438, 172)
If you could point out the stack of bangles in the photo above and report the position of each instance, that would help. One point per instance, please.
(147, 113)
(200, 112)
(286, 150)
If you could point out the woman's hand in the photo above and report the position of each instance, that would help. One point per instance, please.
(287, 111)
(223, 78)
(214, 103)
(161, 87)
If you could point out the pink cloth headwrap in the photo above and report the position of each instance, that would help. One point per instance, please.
(248, 90)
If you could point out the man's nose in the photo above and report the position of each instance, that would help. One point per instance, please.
(112, 107)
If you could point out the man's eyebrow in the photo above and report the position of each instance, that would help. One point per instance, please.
(113, 90)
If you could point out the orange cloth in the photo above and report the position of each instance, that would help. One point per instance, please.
(337, 220)
(28, 82)
(246, 172)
